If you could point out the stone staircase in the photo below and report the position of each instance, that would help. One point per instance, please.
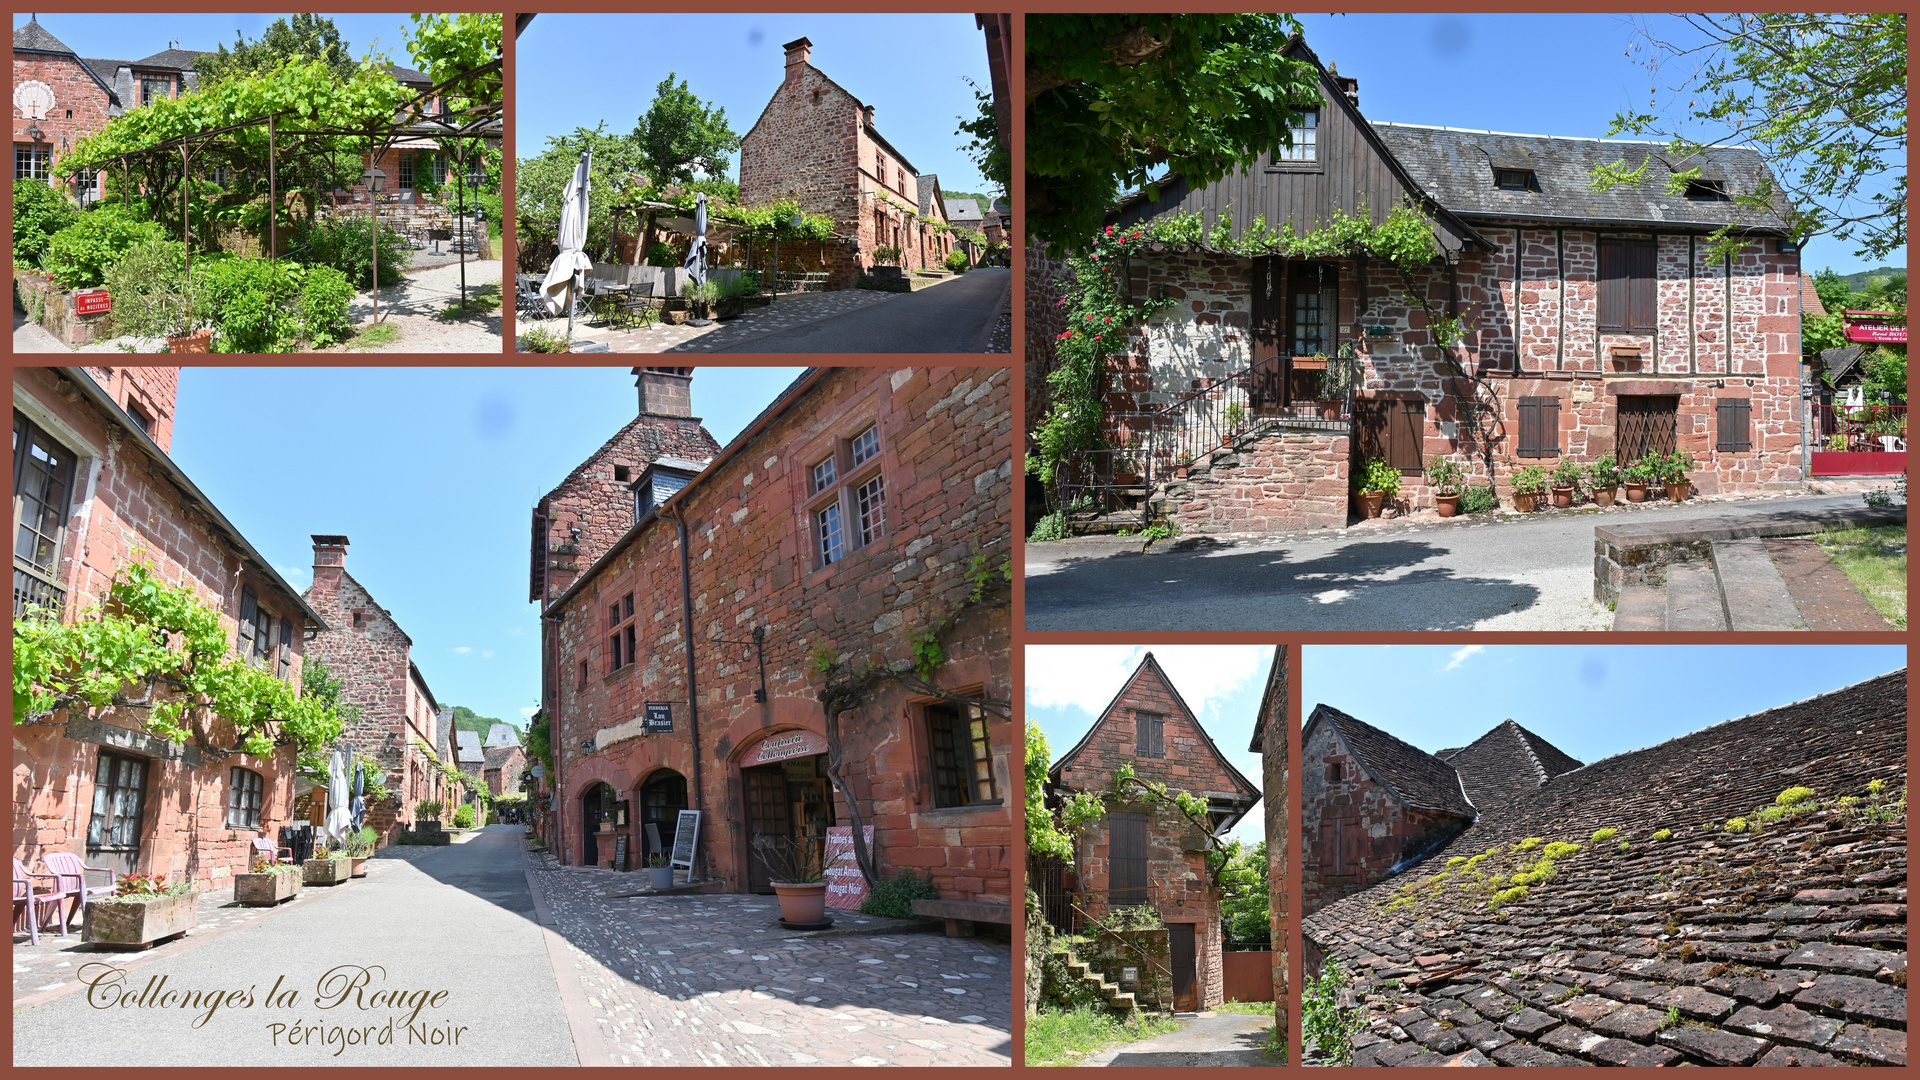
(1737, 588)
(1120, 1002)
(1202, 467)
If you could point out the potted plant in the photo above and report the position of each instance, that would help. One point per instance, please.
(268, 884)
(1378, 481)
(1603, 476)
(426, 815)
(799, 873)
(1528, 484)
(142, 910)
(358, 848)
(327, 868)
(1182, 463)
(1566, 478)
(1637, 476)
(1443, 476)
(1674, 468)
(660, 869)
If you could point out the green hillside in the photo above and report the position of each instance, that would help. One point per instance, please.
(1858, 281)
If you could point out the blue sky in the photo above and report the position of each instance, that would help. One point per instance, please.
(574, 70)
(137, 36)
(1491, 72)
(1068, 686)
(1591, 701)
(432, 473)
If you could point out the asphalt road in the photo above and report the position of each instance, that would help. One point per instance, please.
(954, 316)
(1209, 1039)
(1511, 574)
(457, 919)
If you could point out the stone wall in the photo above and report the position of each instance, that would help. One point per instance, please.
(1147, 953)
(57, 309)
(1044, 272)
(1355, 831)
(946, 464)
(148, 391)
(1270, 483)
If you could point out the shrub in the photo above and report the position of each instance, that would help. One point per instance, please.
(39, 211)
(322, 306)
(463, 817)
(886, 256)
(1051, 527)
(1568, 473)
(957, 261)
(662, 255)
(428, 809)
(151, 294)
(539, 340)
(78, 255)
(244, 298)
(893, 896)
(346, 244)
(1601, 836)
(1444, 475)
(1478, 500)
(1793, 796)
(1663, 834)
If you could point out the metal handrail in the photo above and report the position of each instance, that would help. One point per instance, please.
(1219, 411)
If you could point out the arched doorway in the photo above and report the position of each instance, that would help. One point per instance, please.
(596, 806)
(662, 796)
(788, 794)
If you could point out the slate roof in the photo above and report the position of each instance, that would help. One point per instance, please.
(469, 747)
(926, 184)
(1422, 781)
(1781, 946)
(964, 212)
(1840, 362)
(408, 75)
(1505, 763)
(498, 756)
(175, 59)
(35, 38)
(502, 735)
(1455, 166)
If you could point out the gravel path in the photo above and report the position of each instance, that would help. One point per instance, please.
(413, 307)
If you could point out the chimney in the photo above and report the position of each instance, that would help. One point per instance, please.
(797, 52)
(329, 559)
(665, 391)
(866, 114)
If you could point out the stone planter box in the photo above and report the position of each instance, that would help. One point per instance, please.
(141, 922)
(266, 890)
(328, 871)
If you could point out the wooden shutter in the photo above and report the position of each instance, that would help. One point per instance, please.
(1613, 285)
(249, 620)
(1627, 298)
(1735, 427)
(1407, 430)
(1641, 280)
(1539, 427)
(286, 648)
(1149, 735)
(1126, 859)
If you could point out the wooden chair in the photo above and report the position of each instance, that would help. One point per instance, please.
(28, 902)
(72, 874)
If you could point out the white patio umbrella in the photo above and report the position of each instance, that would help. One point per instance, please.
(563, 275)
(696, 262)
(339, 810)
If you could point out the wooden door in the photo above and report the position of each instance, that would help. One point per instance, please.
(1181, 959)
(1126, 859)
(1267, 385)
(119, 808)
(768, 814)
(1389, 428)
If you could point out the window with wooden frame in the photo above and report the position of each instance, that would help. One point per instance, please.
(243, 799)
(1390, 428)
(1305, 132)
(621, 634)
(255, 638)
(1733, 428)
(1628, 302)
(1149, 735)
(1513, 179)
(1539, 434)
(962, 756)
(846, 498)
(32, 162)
(43, 474)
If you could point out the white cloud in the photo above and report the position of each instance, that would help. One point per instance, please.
(292, 573)
(485, 654)
(1461, 655)
(463, 649)
(1086, 677)
(526, 711)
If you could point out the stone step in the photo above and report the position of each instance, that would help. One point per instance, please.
(1640, 607)
(1122, 1003)
(1753, 595)
(1693, 599)
(1078, 969)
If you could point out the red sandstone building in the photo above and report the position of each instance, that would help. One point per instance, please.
(94, 491)
(365, 648)
(817, 143)
(1145, 853)
(1595, 322)
(844, 521)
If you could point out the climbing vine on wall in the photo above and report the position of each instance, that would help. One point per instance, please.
(1226, 870)
(1405, 239)
(157, 653)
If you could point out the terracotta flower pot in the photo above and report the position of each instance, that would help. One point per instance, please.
(359, 866)
(200, 341)
(141, 922)
(1679, 489)
(1603, 496)
(1371, 502)
(1447, 505)
(266, 890)
(1563, 496)
(1636, 491)
(802, 903)
(1526, 501)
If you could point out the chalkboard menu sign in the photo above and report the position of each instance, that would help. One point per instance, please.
(620, 852)
(659, 717)
(684, 836)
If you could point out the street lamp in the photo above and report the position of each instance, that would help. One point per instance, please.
(372, 178)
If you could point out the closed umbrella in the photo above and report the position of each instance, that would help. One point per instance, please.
(339, 817)
(572, 261)
(359, 796)
(696, 263)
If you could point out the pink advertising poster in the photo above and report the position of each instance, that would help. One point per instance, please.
(846, 889)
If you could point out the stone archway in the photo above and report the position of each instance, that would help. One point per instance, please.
(659, 797)
(596, 806)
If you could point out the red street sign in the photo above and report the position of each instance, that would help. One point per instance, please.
(1896, 335)
(96, 302)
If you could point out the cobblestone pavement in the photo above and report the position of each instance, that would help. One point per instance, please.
(786, 312)
(1002, 339)
(714, 980)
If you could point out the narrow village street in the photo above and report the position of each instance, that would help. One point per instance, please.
(1490, 574)
(957, 316)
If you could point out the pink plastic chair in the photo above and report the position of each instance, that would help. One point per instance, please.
(28, 902)
(67, 867)
(262, 847)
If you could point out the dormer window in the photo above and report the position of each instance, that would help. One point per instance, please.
(1513, 179)
(1704, 190)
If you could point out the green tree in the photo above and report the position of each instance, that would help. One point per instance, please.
(304, 36)
(39, 211)
(540, 184)
(987, 149)
(1823, 97)
(446, 45)
(1116, 101)
(680, 134)
(1244, 916)
(1051, 831)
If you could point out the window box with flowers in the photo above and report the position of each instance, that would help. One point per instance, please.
(142, 910)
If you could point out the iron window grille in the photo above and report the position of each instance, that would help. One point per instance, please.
(962, 756)
(243, 799)
(622, 644)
